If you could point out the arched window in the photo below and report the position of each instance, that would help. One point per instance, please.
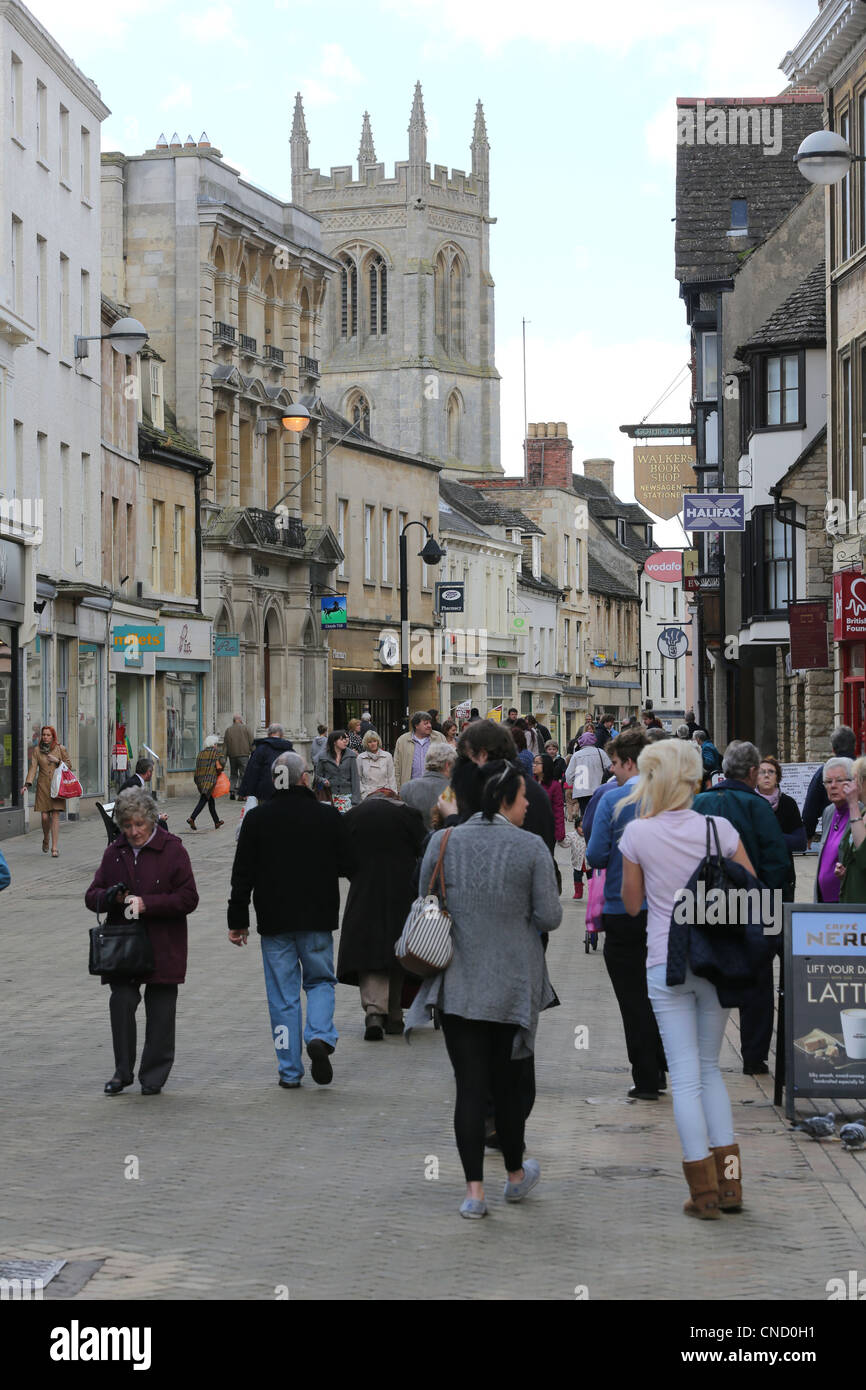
(358, 411)
(452, 425)
(378, 277)
(449, 301)
(306, 341)
(348, 296)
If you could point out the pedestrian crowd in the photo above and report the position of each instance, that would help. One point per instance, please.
(463, 826)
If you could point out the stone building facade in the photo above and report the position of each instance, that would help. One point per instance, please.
(408, 334)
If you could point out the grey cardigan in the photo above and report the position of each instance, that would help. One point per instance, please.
(501, 892)
(343, 776)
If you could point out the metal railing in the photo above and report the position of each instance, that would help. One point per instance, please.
(224, 332)
(289, 533)
(309, 366)
(247, 343)
(273, 354)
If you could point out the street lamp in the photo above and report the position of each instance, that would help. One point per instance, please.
(825, 157)
(128, 337)
(296, 418)
(431, 555)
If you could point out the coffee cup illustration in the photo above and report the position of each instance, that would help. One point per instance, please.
(854, 1032)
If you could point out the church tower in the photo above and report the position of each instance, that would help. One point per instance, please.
(408, 337)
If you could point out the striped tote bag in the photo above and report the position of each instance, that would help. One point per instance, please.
(425, 946)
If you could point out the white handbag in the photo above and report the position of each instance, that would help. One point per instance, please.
(55, 780)
(425, 946)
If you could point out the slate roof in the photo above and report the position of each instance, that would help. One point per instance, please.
(452, 520)
(483, 508)
(601, 581)
(604, 505)
(710, 175)
(800, 321)
(171, 438)
(542, 585)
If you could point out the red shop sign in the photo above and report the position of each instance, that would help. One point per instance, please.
(849, 606)
(808, 623)
(666, 565)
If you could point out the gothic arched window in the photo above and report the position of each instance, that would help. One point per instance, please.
(348, 296)
(452, 425)
(449, 301)
(378, 276)
(358, 411)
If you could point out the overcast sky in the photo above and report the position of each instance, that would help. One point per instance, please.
(579, 102)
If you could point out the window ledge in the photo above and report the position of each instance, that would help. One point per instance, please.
(86, 201)
(369, 583)
(775, 429)
(64, 362)
(43, 165)
(16, 140)
(64, 184)
(386, 583)
(41, 348)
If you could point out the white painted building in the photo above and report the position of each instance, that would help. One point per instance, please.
(49, 401)
(664, 678)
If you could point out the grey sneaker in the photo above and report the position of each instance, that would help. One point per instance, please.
(473, 1208)
(516, 1191)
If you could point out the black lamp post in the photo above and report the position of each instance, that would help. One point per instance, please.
(431, 555)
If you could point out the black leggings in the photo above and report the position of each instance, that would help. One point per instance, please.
(480, 1054)
(209, 802)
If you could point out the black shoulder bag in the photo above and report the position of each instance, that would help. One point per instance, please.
(122, 951)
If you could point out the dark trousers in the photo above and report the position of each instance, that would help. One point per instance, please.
(756, 1018)
(160, 1007)
(625, 958)
(209, 802)
(480, 1054)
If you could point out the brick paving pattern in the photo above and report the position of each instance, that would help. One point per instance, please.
(250, 1192)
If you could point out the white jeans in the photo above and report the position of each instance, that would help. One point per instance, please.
(692, 1024)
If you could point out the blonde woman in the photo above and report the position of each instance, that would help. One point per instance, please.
(353, 729)
(375, 765)
(661, 849)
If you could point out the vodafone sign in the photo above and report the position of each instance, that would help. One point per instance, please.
(665, 565)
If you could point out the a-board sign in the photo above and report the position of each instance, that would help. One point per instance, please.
(795, 780)
(825, 1002)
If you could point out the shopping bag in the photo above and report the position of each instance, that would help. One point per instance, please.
(595, 900)
(222, 786)
(65, 784)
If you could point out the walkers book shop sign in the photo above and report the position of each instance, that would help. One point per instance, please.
(825, 1002)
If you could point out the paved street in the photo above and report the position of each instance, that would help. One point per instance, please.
(243, 1187)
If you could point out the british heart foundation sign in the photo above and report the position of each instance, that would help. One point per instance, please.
(662, 473)
(849, 606)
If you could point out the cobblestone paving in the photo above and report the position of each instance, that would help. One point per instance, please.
(245, 1189)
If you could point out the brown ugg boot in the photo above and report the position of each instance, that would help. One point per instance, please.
(704, 1189)
(729, 1175)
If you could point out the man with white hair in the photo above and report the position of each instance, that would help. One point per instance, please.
(292, 852)
(238, 743)
(424, 791)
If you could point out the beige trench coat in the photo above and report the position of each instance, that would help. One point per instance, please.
(43, 767)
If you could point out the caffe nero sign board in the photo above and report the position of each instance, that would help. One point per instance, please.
(825, 1002)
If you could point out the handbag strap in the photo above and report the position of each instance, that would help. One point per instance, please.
(438, 872)
(711, 822)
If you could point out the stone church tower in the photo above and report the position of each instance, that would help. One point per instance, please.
(408, 322)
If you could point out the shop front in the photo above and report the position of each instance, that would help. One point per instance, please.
(365, 673)
(849, 633)
(131, 672)
(13, 560)
(182, 671)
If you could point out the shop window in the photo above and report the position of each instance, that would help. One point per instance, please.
(182, 720)
(9, 782)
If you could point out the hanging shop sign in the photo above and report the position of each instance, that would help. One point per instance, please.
(665, 565)
(825, 1002)
(714, 511)
(673, 642)
(662, 473)
(808, 624)
(449, 596)
(849, 606)
(334, 612)
(226, 644)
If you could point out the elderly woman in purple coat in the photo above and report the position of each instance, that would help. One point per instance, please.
(151, 873)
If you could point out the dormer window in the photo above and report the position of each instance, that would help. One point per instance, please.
(782, 391)
(157, 414)
(739, 217)
(620, 530)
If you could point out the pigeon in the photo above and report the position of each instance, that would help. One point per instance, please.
(818, 1126)
(853, 1135)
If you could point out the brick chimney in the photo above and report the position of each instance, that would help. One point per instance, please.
(601, 470)
(548, 455)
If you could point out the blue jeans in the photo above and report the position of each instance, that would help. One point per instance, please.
(692, 1024)
(290, 960)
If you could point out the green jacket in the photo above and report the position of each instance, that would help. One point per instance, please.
(853, 888)
(758, 828)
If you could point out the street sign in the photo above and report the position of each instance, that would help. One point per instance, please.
(714, 511)
(334, 612)
(662, 473)
(226, 644)
(673, 642)
(448, 597)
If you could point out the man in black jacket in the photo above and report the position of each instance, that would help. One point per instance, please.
(292, 852)
(257, 780)
(140, 780)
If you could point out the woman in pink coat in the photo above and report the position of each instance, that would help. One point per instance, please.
(545, 775)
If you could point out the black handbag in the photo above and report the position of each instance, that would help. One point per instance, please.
(122, 951)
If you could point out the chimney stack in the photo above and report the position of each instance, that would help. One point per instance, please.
(548, 455)
(601, 470)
